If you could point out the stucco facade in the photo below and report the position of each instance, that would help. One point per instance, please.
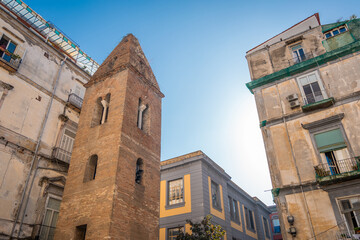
(190, 186)
(41, 91)
(306, 85)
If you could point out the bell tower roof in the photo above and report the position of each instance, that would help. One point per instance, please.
(127, 55)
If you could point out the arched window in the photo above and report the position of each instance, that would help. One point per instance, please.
(90, 171)
(139, 171)
(143, 118)
(105, 108)
(101, 111)
(98, 111)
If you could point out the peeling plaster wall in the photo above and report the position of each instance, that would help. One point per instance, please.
(279, 55)
(22, 113)
(291, 151)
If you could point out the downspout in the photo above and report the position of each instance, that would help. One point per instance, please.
(296, 167)
(34, 158)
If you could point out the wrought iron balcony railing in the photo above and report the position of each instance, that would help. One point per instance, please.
(301, 58)
(338, 167)
(61, 154)
(75, 100)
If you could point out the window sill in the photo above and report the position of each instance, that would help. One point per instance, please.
(217, 208)
(318, 105)
(252, 230)
(177, 205)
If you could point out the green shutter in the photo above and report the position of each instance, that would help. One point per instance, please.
(330, 140)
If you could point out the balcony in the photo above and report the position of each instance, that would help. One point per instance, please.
(9, 61)
(75, 101)
(338, 170)
(61, 155)
(300, 58)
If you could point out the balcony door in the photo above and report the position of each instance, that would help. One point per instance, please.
(66, 145)
(334, 152)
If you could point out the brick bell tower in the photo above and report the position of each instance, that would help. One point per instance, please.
(112, 188)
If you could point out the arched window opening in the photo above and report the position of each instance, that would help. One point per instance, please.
(91, 168)
(98, 112)
(143, 117)
(105, 108)
(139, 171)
(101, 111)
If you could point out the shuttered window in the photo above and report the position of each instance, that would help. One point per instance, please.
(330, 140)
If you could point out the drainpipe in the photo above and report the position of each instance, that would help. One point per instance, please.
(297, 169)
(34, 158)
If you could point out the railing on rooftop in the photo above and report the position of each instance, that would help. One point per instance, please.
(61, 154)
(50, 33)
(337, 167)
(75, 100)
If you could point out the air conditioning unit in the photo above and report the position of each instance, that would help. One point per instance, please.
(294, 104)
(292, 97)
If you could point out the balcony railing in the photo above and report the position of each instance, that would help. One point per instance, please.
(339, 232)
(75, 100)
(61, 154)
(301, 58)
(338, 168)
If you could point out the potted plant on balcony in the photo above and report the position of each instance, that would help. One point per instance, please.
(15, 57)
(321, 172)
(357, 233)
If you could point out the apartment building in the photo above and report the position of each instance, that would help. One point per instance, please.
(42, 77)
(306, 84)
(193, 186)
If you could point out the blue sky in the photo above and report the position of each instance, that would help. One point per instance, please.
(197, 52)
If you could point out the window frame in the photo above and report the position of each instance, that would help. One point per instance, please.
(338, 202)
(7, 45)
(298, 58)
(336, 29)
(324, 93)
(171, 228)
(52, 214)
(266, 227)
(175, 205)
(325, 128)
(218, 196)
(249, 212)
(234, 215)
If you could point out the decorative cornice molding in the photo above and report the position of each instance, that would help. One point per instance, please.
(325, 121)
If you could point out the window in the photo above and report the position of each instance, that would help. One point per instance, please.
(311, 88)
(249, 219)
(80, 232)
(266, 227)
(174, 232)
(50, 219)
(298, 53)
(336, 31)
(234, 211)
(63, 152)
(334, 153)
(176, 191)
(215, 195)
(7, 48)
(350, 210)
(139, 171)
(276, 224)
(105, 108)
(142, 120)
(101, 110)
(90, 171)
